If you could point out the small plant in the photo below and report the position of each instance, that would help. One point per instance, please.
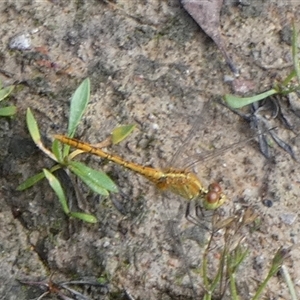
(284, 88)
(97, 181)
(232, 255)
(7, 111)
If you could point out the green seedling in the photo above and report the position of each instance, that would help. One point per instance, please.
(276, 265)
(97, 181)
(7, 111)
(232, 256)
(290, 84)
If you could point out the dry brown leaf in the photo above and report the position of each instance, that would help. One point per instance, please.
(206, 13)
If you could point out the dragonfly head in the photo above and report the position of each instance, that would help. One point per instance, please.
(214, 197)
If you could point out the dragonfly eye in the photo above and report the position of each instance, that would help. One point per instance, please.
(212, 197)
(214, 193)
(215, 187)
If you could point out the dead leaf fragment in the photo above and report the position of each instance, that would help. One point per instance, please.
(206, 13)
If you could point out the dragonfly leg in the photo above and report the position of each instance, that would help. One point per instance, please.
(187, 210)
(189, 216)
(199, 217)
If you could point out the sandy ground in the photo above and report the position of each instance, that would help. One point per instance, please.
(151, 65)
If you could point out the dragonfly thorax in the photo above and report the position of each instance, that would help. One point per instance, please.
(187, 185)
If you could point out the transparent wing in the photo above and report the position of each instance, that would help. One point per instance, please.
(199, 139)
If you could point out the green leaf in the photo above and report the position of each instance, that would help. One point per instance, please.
(78, 105)
(295, 52)
(120, 133)
(33, 127)
(289, 78)
(238, 102)
(98, 181)
(56, 186)
(57, 150)
(35, 134)
(6, 91)
(29, 182)
(8, 111)
(84, 217)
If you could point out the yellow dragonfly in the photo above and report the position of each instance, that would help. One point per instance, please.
(181, 182)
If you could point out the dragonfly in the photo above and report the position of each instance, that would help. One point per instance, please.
(181, 182)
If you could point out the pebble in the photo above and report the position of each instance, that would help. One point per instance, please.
(288, 218)
(267, 202)
(20, 42)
